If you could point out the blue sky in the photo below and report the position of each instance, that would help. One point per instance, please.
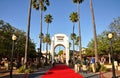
(15, 12)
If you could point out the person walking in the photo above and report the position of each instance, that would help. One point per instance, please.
(77, 65)
(54, 62)
(85, 65)
(93, 64)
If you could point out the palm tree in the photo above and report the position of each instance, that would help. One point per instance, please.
(41, 36)
(42, 5)
(74, 18)
(73, 37)
(77, 41)
(94, 30)
(47, 40)
(27, 36)
(70, 44)
(48, 20)
(1, 23)
(79, 29)
(43, 41)
(49, 43)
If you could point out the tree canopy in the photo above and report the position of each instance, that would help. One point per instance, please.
(6, 32)
(103, 41)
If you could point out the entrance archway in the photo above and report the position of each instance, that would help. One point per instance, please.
(60, 39)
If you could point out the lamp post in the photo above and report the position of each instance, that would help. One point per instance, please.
(11, 67)
(39, 57)
(110, 36)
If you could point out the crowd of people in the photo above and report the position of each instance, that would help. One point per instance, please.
(87, 64)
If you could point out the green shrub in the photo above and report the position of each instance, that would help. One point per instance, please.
(103, 68)
(29, 70)
(22, 70)
(90, 68)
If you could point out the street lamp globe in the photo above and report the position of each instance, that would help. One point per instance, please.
(110, 35)
(14, 37)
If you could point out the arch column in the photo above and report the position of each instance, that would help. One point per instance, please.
(52, 50)
(67, 53)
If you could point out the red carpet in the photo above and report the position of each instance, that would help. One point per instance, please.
(61, 71)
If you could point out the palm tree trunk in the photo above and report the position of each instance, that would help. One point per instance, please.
(46, 62)
(94, 30)
(73, 46)
(79, 31)
(47, 28)
(40, 53)
(27, 37)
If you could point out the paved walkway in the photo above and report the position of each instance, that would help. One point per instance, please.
(40, 72)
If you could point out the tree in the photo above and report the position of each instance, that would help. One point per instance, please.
(1, 23)
(6, 33)
(103, 41)
(48, 20)
(103, 45)
(115, 29)
(47, 40)
(74, 18)
(70, 44)
(60, 52)
(77, 41)
(42, 5)
(78, 2)
(43, 41)
(28, 34)
(94, 31)
(115, 26)
(73, 37)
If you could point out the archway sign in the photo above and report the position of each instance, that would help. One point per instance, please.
(60, 39)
